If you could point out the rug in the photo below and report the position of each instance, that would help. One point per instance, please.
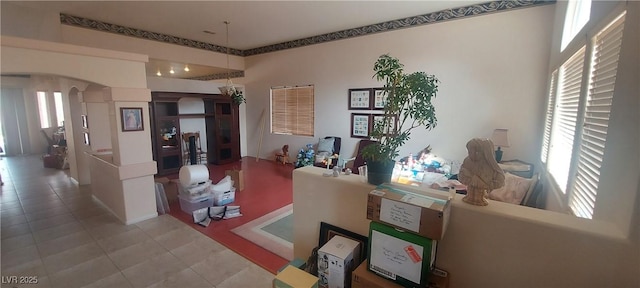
(273, 232)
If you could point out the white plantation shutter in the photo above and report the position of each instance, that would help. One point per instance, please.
(546, 138)
(565, 118)
(604, 66)
(292, 110)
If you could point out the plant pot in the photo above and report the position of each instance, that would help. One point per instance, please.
(379, 172)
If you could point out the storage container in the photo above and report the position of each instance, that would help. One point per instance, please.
(189, 205)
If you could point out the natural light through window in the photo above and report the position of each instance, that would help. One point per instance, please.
(57, 98)
(578, 13)
(43, 109)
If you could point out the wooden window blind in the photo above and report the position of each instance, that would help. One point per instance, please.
(604, 65)
(292, 110)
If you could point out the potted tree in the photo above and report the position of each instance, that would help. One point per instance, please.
(408, 106)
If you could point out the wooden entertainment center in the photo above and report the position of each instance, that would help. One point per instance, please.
(221, 118)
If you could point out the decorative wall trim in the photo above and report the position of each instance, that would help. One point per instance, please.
(435, 17)
(430, 18)
(143, 34)
(218, 76)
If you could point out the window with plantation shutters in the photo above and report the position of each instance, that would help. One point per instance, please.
(546, 138)
(604, 64)
(565, 117)
(292, 110)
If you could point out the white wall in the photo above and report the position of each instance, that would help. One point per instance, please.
(492, 70)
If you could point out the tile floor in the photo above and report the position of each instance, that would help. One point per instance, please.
(54, 230)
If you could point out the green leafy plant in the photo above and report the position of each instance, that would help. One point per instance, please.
(238, 97)
(408, 106)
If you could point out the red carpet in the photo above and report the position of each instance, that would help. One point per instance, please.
(267, 187)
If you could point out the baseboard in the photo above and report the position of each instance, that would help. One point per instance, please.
(140, 219)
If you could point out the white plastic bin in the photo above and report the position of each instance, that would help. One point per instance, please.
(189, 205)
(224, 198)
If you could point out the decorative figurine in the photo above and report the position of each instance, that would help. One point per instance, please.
(480, 172)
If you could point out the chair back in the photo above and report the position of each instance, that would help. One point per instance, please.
(359, 161)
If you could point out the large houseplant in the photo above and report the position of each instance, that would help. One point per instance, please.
(408, 106)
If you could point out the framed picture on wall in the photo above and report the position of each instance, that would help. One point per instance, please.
(360, 124)
(131, 119)
(379, 98)
(379, 118)
(360, 99)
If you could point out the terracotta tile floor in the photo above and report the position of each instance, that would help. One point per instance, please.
(53, 231)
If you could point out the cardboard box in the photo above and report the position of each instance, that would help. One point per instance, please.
(363, 278)
(336, 260)
(292, 277)
(438, 279)
(421, 213)
(237, 177)
(403, 257)
(170, 188)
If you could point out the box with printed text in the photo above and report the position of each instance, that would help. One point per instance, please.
(336, 260)
(402, 257)
(417, 211)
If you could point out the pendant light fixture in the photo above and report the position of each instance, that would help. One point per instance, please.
(228, 89)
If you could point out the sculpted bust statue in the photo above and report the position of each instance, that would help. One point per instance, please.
(480, 171)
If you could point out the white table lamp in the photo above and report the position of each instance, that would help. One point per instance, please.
(500, 138)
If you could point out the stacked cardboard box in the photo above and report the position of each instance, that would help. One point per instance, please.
(404, 233)
(336, 260)
(363, 278)
(293, 277)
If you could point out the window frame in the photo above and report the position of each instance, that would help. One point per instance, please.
(43, 109)
(298, 122)
(589, 44)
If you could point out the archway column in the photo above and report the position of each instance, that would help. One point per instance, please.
(123, 180)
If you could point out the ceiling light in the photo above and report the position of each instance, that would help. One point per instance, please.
(159, 74)
(227, 89)
(186, 68)
(171, 71)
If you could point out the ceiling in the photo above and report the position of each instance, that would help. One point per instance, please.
(253, 24)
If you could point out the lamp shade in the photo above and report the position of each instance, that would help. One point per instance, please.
(500, 137)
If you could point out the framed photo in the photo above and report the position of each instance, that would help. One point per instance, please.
(85, 124)
(379, 98)
(131, 119)
(360, 99)
(86, 138)
(378, 118)
(360, 125)
(327, 231)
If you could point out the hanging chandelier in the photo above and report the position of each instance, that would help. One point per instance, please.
(230, 90)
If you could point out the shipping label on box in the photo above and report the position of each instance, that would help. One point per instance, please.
(336, 261)
(403, 257)
(238, 178)
(426, 215)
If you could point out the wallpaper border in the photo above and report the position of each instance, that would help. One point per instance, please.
(430, 18)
